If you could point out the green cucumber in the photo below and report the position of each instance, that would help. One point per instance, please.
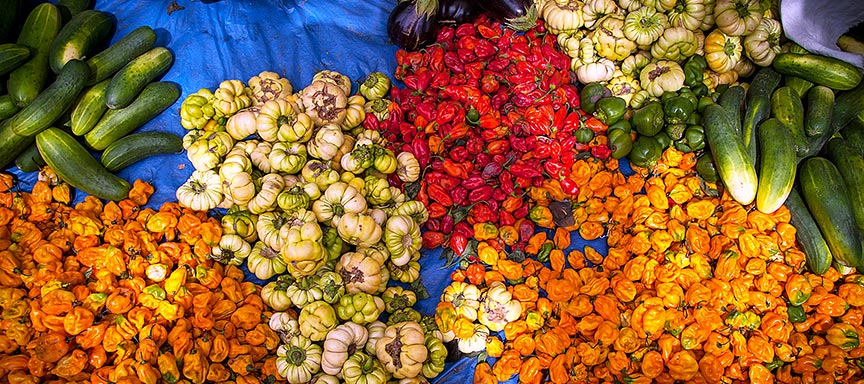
(131, 79)
(807, 233)
(70, 8)
(30, 160)
(12, 56)
(106, 63)
(758, 108)
(850, 163)
(9, 19)
(848, 106)
(732, 100)
(787, 107)
(90, 108)
(71, 161)
(777, 166)
(136, 147)
(11, 145)
(80, 37)
(799, 85)
(50, 105)
(820, 108)
(827, 197)
(854, 134)
(116, 123)
(822, 70)
(38, 32)
(7, 107)
(731, 160)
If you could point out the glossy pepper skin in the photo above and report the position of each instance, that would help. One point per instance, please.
(646, 151)
(677, 109)
(620, 143)
(610, 110)
(693, 140)
(591, 94)
(706, 169)
(694, 69)
(648, 120)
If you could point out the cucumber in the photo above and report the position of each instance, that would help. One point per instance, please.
(850, 163)
(53, 101)
(80, 37)
(90, 108)
(12, 56)
(827, 197)
(131, 79)
(70, 8)
(30, 160)
(799, 85)
(71, 161)
(731, 160)
(822, 70)
(820, 108)
(854, 134)
(732, 100)
(116, 123)
(787, 107)
(11, 145)
(848, 106)
(39, 30)
(807, 233)
(133, 148)
(106, 63)
(7, 107)
(758, 108)
(777, 168)
(9, 19)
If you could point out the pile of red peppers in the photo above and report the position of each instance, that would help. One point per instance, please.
(488, 113)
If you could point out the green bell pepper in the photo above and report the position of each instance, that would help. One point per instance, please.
(649, 119)
(693, 140)
(663, 138)
(610, 109)
(590, 94)
(675, 131)
(796, 314)
(619, 142)
(584, 135)
(677, 109)
(704, 101)
(706, 169)
(646, 152)
(622, 124)
(693, 70)
(700, 90)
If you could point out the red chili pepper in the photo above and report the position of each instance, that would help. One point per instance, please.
(427, 110)
(523, 182)
(498, 147)
(490, 120)
(483, 49)
(568, 158)
(446, 112)
(436, 58)
(458, 243)
(447, 224)
(475, 145)
(432, 239)
(459, 195)
(370, 122)
(543, 151)
(601, 151)
(476, 273)
(520, 169)
(555, 169)
(487, 32)
(525, 229)
(454, 169)
(462, 228)
(466, 55)
(474, 69)
(460, 154)
(433, 224)
(481, 159)
(483, 193)
(482, 213)
(436, 210)
(489, 83)
(506, 218)
(439, 194)
(453, 62)
(569, 186)
(459, 130)
(465, 29)
(473, 182)
(422, 195)
(505, 182)
(498, 65)
(420, 148)
(499, 195)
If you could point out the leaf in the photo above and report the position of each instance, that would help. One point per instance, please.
(562, 213)
(453, 259)
(412, 189)
(420, 289)
(516, 256)
(713, 192)
(460, 213)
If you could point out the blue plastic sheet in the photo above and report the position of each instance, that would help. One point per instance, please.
(237, 39)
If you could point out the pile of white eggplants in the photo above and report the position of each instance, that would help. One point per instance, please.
(309, 206)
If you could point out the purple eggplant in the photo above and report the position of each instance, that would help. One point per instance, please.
(457, 11)
(520, 15)
(413, 24)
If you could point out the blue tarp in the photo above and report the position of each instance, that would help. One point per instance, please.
(237, 39)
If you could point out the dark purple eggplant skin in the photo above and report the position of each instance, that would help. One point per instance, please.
(457, 11)
(409, 30)
(502, 10)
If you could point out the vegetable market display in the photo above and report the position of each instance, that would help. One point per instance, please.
(726, 248)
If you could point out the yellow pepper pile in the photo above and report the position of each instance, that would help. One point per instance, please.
(693, 287)
(118, 293)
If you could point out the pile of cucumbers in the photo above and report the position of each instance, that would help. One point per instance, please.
(67, 89)
(780, 128)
